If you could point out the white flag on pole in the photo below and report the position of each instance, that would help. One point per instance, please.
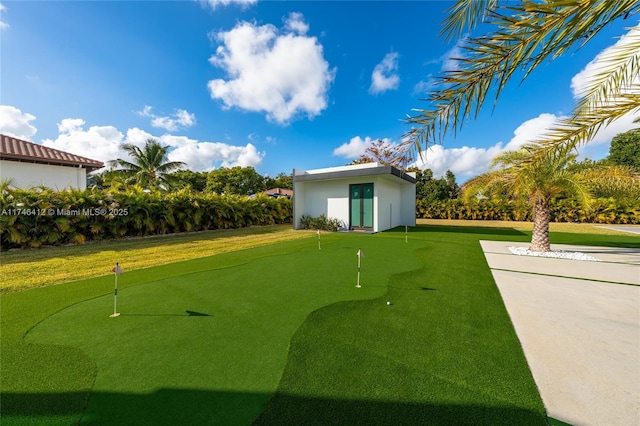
(118, 271)
(360, 254)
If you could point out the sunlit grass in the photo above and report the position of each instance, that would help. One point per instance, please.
(23, 269)
(578, 228)
(211, 340)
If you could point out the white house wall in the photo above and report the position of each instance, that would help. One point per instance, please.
(28, 175)
(328, 198)
(408, 199)
(393, 198)
(389, 207)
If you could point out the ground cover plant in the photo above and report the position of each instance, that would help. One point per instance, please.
(279, 334)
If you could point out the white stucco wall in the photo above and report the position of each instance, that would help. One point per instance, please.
(408, 201)
(27, 175)
(329, 198)
(393, 200)
(389, 207)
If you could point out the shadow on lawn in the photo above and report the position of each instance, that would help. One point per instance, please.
(186, 314)
(465, 230)
(130, 243)
(196, 407)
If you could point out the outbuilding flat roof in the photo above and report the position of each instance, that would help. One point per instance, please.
(370, 169)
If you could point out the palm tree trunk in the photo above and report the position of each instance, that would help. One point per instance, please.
(541, 217)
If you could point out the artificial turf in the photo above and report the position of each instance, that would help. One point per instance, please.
(279, 335)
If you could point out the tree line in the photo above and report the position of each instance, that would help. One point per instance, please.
(150, 169)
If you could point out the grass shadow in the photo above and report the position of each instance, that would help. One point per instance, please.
(17, 256)
(191, 407)
(186, 314)
(472, 230)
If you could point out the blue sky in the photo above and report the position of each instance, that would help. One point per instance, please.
(272, 84)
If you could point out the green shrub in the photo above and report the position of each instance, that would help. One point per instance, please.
(602, 210)
(33, 218)
(322, 222)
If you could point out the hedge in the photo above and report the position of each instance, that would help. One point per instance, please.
(33, 218)
(602, 210)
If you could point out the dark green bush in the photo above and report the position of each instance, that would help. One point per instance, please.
(33, 218)
(322, 222)
(603, 210)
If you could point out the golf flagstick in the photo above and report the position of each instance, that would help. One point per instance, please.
(319, 239)
(117, 270)
(406, 231)
(360, 256)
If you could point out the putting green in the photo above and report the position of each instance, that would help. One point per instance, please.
(209, 343)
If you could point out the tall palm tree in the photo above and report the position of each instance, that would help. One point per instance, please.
(538, 175)
(523, 35)
(150, 166)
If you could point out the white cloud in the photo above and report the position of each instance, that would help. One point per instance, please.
(215, 3)
(579, 86)
(450, 59)
(279, 72)
(579, 82)
(103, 143)
(295, 23)
(357, 146)
(449, 62)
(384, 76)
(424, 86)
(3, 24)
(201, 156)
(531, 130)
(354, 148)
(180, 119)
(466, 162)
(14, 122)
(98, 142)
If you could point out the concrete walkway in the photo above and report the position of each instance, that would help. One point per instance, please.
(579, 326)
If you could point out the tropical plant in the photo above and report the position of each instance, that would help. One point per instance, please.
(386, 154)
(321, 223)
(282, 180)
(539, 175)
(431, 189)
(522, 35)
(36, 217)
(197, 181)
(235, 181)
(149, 167)
(625, 149)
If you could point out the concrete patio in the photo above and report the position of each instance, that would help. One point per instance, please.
(579, 326)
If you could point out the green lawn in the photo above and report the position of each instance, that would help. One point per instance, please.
(279, 335)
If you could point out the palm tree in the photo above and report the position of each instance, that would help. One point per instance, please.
(524, 35)
(150, 167)
(539, 175)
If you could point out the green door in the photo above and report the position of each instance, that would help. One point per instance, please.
(361, 205)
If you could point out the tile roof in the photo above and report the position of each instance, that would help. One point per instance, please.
(279, 191)
(19, 150)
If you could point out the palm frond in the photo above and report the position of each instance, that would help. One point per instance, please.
(465, 15)
(583, 126)
(618, 71)
(527, 34)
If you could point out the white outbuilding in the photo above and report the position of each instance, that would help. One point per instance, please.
(364, 197)
(28, 164)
